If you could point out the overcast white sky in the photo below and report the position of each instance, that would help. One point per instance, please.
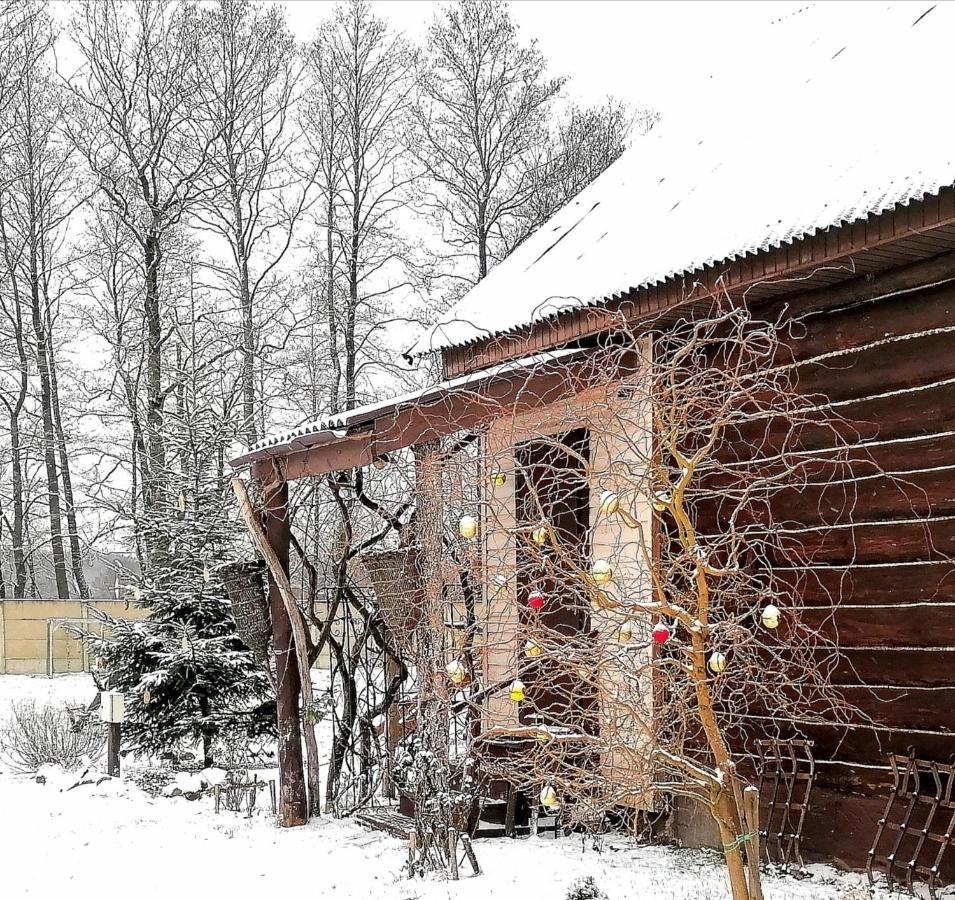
(650, 53)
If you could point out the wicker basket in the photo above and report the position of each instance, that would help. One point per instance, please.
(395, 578)
(244, 583)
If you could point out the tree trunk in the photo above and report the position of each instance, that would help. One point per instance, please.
(76, 556)
(155, 457)
(293, 798)
(46, 407)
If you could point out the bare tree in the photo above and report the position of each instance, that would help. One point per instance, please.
(252, 70)
(481, 114)
(137, 121)
(581, 144)
(356, 121)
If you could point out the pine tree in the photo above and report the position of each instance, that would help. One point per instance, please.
(186, 675)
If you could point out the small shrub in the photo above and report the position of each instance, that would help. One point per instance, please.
(585, 889)
(39, 735)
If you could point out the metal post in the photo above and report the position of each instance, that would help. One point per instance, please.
(112, 750)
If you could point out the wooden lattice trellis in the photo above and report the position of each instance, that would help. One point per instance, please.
(787, 771)
(916, 830)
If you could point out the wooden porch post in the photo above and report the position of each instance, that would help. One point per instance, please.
(429, 523)
(293, 800)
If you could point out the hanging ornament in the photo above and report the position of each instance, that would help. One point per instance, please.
(497, 478)
(532, 649)
(717, 662)
(517, 690)
(500, 585)
(535, 599)
(661, 500)
(771, 616)
(548, 797)
(609, 503)
(468, 527)
(540, 535)
(146, 697)
(457, 672)
(660, 633)
(602, 571)
(625, 633)
(181, 503)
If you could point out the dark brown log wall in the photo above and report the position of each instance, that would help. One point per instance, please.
(884, 547)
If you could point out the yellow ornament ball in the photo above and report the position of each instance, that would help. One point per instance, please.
(602, 571)
(500, 585)
(468, 527)
(609, 503)
(771, 616)
(548, 797)
(717, 662)
(456, 671)
(517, 690)
(540, 535)
(498, 478)
(532, 649)
(625, 633)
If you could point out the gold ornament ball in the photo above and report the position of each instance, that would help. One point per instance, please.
(498, 478)
(517, 690)
(456, 671)
(717, 662)
(602, 571)
(500, 584)
(468, 527)
(625, 634)
(532, 649)
(548, 797)
(609, 503)
(539, 535)
(771, 616)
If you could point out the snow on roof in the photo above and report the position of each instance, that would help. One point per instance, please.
(337, 427)
(842, 112)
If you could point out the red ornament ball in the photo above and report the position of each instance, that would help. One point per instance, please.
(661, 633)
(535, 600)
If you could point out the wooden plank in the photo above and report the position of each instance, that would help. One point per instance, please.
(875, 584)
(924, 625)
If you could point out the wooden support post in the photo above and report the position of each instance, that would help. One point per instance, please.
(112, 749)
(751, 817)
(293, 799)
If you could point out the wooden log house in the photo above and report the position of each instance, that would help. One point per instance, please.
(862, 252)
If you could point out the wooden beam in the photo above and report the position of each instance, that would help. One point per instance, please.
(273, 545)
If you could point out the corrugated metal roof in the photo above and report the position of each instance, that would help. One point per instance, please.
(337, 427)
(845, 113)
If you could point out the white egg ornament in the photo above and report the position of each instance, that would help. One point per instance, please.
(771, 616)
(548, 797)
(717, 662)
(456, 671)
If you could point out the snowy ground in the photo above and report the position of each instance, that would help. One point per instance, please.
(115, 839)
